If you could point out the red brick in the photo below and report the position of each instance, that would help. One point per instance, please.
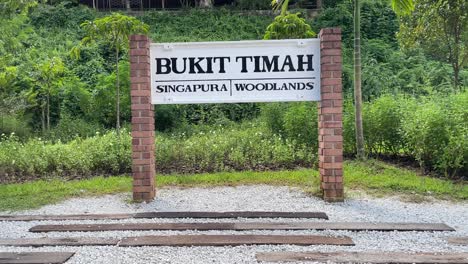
(337, 30)
(331, 67)
(332, 165)
(326, 31)
(139, 66)
(326, 96)
(141, 107)
(143, 189)
(145, 92)
(337, 117)
(140, 134)
(327, 45)
(337, 59)
(330, 38)
(336, 74)
(332, 139)
(333, 152)
(332, 110)
(141, 120)
(140, 79)
(330, 52)
(326, 89)
(139, 52)
(141, 162)
(330, 124)
(326, 59)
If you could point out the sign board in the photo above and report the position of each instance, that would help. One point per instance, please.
(235, 71)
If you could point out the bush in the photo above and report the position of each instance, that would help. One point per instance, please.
(382, 126)
(245, 147)
(253, 4)
(300, 124)
(289, 26)
(70, 128)
(37, 158)
(12, 124)
(435, 132)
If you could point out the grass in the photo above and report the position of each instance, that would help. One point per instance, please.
(373, 176)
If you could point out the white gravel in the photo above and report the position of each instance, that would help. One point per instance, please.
(247, 198)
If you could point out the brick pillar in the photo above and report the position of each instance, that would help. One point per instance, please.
(143, 168)
(330, 112)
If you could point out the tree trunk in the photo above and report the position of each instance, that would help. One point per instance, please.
(456, 75)
(127, 4)
(117, 83)
(319, 4)
(205, 3)
(357, 81)
(48, 112)
(163, 3)
(43, 119)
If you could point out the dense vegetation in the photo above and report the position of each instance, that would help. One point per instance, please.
(62, 110)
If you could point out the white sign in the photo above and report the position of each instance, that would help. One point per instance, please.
(235, 71)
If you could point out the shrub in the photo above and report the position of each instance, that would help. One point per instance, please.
(38, 158)
(272, 114)
(435, 132)
(12, 124)
(70, 128)
(289, 26)
(382, 126)
(300, 124)
(244, 147)
(253, 4)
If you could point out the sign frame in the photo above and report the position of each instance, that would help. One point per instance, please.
(258, 84)
(330, 116)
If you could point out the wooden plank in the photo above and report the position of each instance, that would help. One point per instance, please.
(364, 257)
(35, 257)
(233, 240)
(240, 214)
(461, 241)
(234, 214)
(350, 226)
(64, 217)
(45, 242)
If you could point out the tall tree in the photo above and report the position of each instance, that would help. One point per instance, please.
(48, 75)
(115, 30)
(440, 28)
(11, 7)
(401, 7)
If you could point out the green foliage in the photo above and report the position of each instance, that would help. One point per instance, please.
(203, 25)
(289, 26)
(432, 130)
(381, 126)
(114, 29)
(253, 4)
(272, 114)
(12, 124)
(436, 133)
(300, 124)
(69, 128)
(37, 158)
(248, 147)
(61, 16)
(377, 21)
(439, 28)
(12, 7)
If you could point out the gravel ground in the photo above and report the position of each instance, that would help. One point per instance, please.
(245, 198)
